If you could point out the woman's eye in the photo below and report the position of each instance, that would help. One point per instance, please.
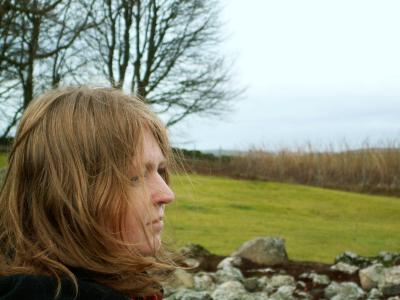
(135, 179)
(162, 172)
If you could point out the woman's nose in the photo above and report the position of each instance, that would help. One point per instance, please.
(162, 194)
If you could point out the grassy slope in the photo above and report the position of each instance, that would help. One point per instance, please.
(317, 224)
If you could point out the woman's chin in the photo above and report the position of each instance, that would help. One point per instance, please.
(149, 249)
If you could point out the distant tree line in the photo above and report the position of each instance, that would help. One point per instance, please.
(165, 51)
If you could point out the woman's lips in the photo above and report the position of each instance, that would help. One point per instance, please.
(154, 221)
(158, 225)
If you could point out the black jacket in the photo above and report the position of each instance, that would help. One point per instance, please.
(35, 287)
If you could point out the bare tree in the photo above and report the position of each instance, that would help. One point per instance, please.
(37, 48)
(166, 51)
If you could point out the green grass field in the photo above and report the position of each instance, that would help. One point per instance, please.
(317, 224)
(3, 160)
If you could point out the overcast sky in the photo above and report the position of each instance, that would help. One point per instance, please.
(316, 71)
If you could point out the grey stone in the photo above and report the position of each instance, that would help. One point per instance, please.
(345, 268)
(283, 293)
(229, 274)
(264, 284)
(301, 284)
(389, 285)
(187, 294)
(251, 284)
(230, 261)
(167, 291)
(197, 295)
(263, 270)
(386, 256)
(320, 279)
(389, 259)
(230, 290)
(302, 295)
(182, 279)
(316, 278)
(204, 281)
(343, 291)
(256, 296)
(374, 294)
(194, 251)
(353, 259)
(191, 262)
(282, 280)
(371, 276)
(263, 250)
(263, 281)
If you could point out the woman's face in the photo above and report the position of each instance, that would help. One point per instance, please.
(149, 193)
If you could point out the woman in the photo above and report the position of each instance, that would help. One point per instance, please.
(82, 205)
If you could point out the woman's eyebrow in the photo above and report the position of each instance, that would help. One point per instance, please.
(152, 165)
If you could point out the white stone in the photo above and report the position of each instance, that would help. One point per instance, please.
(204, 281)
(230, 290)
(374, 294)
(283, 293)
(187, 294)
(229, 274)
(230, 261)
(316, 278)
(191, 262)
(182, 279)
(280, 280)
(345, 268)
(344, 291)
(371, 276)
(390, 282)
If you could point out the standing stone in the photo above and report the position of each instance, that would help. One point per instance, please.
(264, 250)
(370, 277)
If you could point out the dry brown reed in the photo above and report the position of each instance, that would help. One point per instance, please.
(368, 169)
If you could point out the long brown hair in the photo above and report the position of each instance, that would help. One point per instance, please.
(67, 181)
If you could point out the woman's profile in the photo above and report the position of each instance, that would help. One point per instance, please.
(82, 203)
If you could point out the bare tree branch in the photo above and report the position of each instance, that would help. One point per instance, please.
(173, 57)
(37, 40)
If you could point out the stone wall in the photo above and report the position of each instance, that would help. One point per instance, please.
(261, 269)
